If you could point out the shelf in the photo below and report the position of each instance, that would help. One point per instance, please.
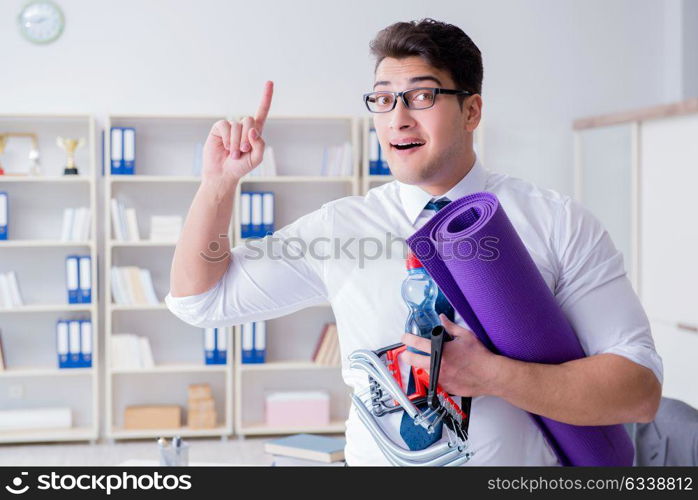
(40, 435)
(69, 179)
(155, 178)
(43, 243)
(118, 433)
(50, 308)
(141, 243)
(286, 365)
(44, 372)
(173, 368)
(140, 307)
(382, 178)
(298, 178)
(335, 427)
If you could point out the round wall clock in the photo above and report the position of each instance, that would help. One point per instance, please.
(41, 21)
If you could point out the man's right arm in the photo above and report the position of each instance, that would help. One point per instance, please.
(202, 254)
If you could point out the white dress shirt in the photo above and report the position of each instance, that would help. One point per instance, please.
(351, 253)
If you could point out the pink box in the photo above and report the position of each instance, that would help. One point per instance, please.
(298, 408)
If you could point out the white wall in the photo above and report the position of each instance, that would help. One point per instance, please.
(546, 62)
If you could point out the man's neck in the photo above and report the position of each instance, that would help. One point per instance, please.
(446, 184)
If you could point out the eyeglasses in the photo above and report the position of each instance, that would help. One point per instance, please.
(418, 98)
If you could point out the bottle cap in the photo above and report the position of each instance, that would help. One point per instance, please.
(413, 262)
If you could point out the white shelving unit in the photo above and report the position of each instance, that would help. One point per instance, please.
(34, 251)
(370, 181)
(164, 184)
(298, 145)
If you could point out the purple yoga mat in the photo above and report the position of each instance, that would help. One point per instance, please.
(474, 254)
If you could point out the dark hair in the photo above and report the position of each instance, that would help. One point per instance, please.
(444, 46)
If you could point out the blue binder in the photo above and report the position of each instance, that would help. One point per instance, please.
(72, 279)
(74, 350)
(85, 343)
(4, 215)
(117, 151)
(245, 214)
(221, 347)
(85, 279)
(210, 346)
(129, 156)
(248, 343)
(62, 350)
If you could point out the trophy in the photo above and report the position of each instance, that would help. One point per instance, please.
(70, 145)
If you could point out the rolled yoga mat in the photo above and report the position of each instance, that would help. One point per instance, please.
(474, 254)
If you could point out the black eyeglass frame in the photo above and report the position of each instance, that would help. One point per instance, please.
(401, 95)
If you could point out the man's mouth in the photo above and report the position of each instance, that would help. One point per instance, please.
(407, 144)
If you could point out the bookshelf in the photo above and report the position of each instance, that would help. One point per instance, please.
(298, 144)
(164, 183)
(31, 378)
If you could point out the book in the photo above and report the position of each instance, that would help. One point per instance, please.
(308, 447)
(2, 355)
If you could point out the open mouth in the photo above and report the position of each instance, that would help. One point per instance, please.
(407, 145)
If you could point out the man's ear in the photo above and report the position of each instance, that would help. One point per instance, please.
(472, 112)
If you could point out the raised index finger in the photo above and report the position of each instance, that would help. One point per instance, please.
(264, 106)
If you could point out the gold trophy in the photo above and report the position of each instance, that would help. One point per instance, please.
(70, 145)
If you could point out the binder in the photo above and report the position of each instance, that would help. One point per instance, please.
(260, 341)
(221, 346)
(373, 153)
(72, 279)
(129, 163)
(62, 343)
(117, 151)
(85, 279)
(268, 212)
(248, 343)
(256, 215)
(4, 214)
(86, 343)
(74, 344)
(210, 346)
(245, 207)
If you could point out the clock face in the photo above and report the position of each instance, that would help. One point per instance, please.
(41, 22)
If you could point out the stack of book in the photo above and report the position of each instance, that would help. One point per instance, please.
(9, 291)
(123, 151)
(131, 285)
(306, 450)
(256, 213)
(327, 348)
(337, 160)
(74, 343)
(78, 274)
(165, 228)
(124, 222)
(254, 342)
(129, 351)
(76, 224)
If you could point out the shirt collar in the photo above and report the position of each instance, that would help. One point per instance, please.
(414, 198)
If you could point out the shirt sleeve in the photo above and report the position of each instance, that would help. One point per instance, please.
(267, 278)
(595, 293)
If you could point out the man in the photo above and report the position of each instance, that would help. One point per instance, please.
(427, 136)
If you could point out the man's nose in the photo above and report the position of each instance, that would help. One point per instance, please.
(401, 117)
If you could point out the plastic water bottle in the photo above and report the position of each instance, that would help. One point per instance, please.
(419, 293)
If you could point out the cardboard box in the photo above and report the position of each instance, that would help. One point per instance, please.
(201, 420)
(201, 405)
(199, 391)
(153, 417)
